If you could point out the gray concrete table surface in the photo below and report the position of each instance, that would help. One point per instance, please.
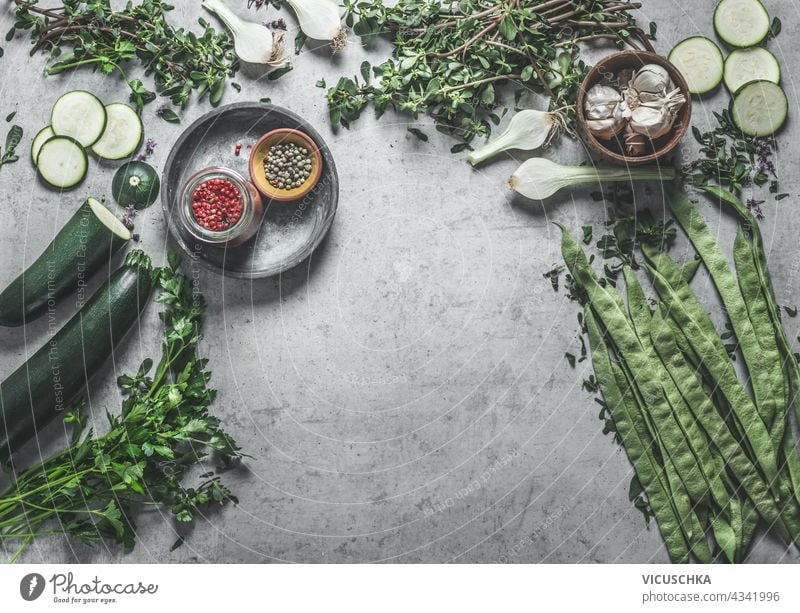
(404, 395)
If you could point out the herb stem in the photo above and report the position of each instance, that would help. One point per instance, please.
(454, 88)
(468, 44)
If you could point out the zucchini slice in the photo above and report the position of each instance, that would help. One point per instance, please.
(759, 108)
(700, 62)
(80, 115)
(741, 23)
(123, 134)
(41, 137)
(62, 162)
(753, 64)
(82, 247)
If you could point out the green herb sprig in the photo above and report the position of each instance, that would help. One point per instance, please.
(450, 58)
(179, 60)
(731, 159)
(91, 490)
(13, 138)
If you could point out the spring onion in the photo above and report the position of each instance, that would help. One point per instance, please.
(539, 178)
(251, 41)
(320, 20)
(527, 130)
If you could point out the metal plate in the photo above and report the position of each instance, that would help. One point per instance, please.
(290, 231)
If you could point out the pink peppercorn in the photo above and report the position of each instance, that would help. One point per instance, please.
(217, 204)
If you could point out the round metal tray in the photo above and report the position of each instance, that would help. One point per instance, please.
(290, 231)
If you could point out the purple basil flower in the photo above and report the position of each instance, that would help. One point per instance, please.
(149, 146)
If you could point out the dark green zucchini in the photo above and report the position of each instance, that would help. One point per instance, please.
(87, 241)
(56, 375)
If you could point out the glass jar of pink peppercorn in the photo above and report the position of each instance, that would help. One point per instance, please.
(220, 207)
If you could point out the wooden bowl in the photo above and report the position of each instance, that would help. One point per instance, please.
(261, 149)
(613, 150)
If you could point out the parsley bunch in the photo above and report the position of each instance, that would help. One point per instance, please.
(90, 490)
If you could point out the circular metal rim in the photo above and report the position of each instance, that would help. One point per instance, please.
(312, 245)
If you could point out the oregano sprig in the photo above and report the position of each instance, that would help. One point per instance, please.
(451, 59)
(179, 60)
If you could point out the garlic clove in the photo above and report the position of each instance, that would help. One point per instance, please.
(635, 143)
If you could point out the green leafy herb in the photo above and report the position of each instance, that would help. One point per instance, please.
(179, 60)
(451, 58)
(730, 158)
(279, 72)
(169, 115)
(299, 40)
(13, 138)
(775, 28)
(419, 134)
(91, 490)
(553, 275)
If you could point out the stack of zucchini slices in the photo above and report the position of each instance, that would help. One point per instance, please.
(751, 73)
(80, 122)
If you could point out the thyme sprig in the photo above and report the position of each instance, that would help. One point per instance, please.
(179, 60)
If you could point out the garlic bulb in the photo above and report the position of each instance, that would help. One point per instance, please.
(606, 128)
(635, 143)
(252, 42)
(527, 130)
(320, 20)
(651, 78)
(601, 102)
(648, 85)
(603, 120)
(653, 122)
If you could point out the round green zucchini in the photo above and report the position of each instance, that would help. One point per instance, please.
(135, 184)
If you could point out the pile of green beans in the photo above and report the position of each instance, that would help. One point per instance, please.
(713, 449)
